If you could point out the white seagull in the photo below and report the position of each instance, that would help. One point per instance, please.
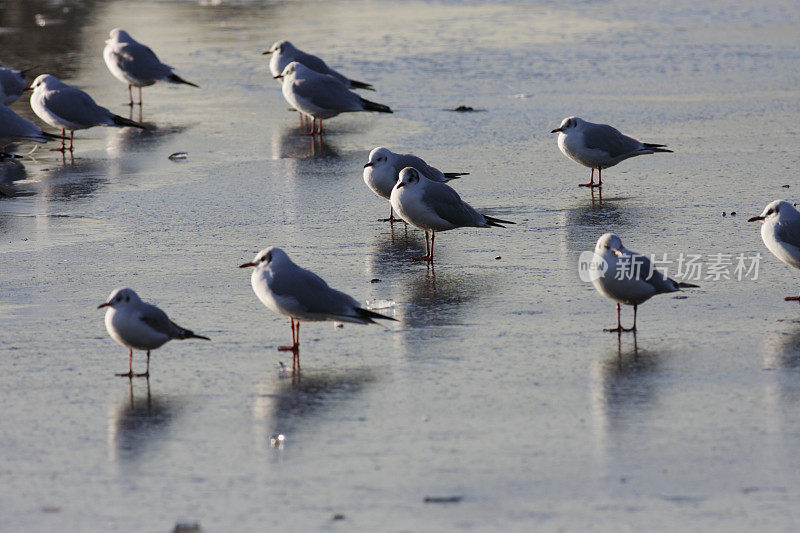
(301, 295)
(140, 326)
(629, 278)
(599, 146)
(12, 84)
(66, 107)
(284, 52)
(321, 96)
(383, 168)
(133, 63)
(434, 206)
(781, 233)
(16, 128)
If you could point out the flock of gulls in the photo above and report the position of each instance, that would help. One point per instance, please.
(418, 193)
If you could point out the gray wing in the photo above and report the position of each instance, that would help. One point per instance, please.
(158, 320)
(76, 106)
(609, 139)
(328, 93)
(788, 232)
(13, 81)
(648, 273)
(447, 204)
(312, 292)
(140, 61)
(13, 125)
(410, 160)
(315, 63)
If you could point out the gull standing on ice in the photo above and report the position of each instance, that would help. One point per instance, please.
(301, 295)
(284, 52)
(781, 233)
(133, 63)
(12, 84)
(321, 96)
(383, 169)
(69, 108)
(16, 128)
(629, 278)
(599, 146)
(140, 326)
(434, 206)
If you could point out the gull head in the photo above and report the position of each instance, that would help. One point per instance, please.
(408, 176)
(608, 242)
(46, 81)
(568, 124)
(278, 47)
(290, 69)
(121, 298)
(119, 35)
(379, 157)
(778, 211)
(272, 256)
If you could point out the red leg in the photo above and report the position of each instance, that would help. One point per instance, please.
(295, 338)
(428, 248)
(63, 142)
(619, 323)
(591, 181)
(130, 95)
(146, 373)
(129, 373)
(140, 96)
(71, 134)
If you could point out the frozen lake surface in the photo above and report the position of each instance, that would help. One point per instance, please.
(497, 387)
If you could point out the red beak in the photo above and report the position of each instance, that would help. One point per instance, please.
(556, 130)
(27, 89)
(755, 218)
(102, 305)
(247, 265)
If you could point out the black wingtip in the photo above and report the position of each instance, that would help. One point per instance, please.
(682, 285)
(455, 175)
(174, 78)
(366, 313)
(374, 106)
(496, 222)
(361, 85)
(122, 121)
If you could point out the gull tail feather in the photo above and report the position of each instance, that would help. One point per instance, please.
(373, 106)
(361, 85)
(497, 222)
(174, 78)
(122, 121)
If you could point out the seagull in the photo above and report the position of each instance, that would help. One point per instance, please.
(133, 63)
(12, 84)
(69, 108)
(321, 96)
(781, 233)
(434, 206)
(301, 295)
(599, 146)
(384, 166)
(139, 325)
(628, 277)
(284, 52)
(16, 128)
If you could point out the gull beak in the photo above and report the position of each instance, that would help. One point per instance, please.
(557, 130)
(755, 218)
(369, 164)
(27, 89)
(247, 265)
(266, 53)
(104, 304)
(278, 77)
(400, 185)
(617, 252)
